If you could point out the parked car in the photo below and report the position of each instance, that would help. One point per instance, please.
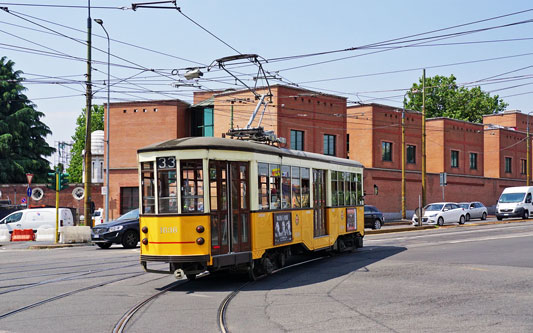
(515, 202)
(124, 230)
(36, 218)
(373, 217)
(440, 213)
(474, 210)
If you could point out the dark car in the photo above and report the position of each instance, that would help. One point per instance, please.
(373, 217)
(124, 230)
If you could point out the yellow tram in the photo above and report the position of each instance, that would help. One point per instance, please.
(214, 203)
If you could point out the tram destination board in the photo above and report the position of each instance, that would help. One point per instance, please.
(282, 228)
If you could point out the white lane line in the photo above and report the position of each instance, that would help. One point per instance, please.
(439, 234)
(479, 239)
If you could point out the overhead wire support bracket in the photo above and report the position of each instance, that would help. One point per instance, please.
(154, 4)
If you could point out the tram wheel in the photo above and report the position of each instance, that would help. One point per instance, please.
(282, 259)
(268, 266)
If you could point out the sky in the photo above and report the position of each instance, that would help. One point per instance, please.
(382, 47)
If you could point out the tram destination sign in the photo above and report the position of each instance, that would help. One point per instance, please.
(282, 228)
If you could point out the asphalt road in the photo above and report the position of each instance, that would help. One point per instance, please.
(473, 278)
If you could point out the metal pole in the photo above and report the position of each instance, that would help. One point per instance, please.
(88, 107)
(424, 137)
(528, 158)
(403, 159)
(101, 23)
(57, 207)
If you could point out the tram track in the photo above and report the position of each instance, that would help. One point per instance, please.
(65, 278)
(63, 295)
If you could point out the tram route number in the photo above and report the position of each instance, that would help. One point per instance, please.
(168, 162)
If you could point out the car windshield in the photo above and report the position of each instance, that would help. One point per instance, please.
(464, 205)
(434, 207)
(511, 197)
(133, 214)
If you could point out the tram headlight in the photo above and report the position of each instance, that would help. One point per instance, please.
(144, 229)
(116, 228)
(145, 241)
(200, 229)
(200, 240)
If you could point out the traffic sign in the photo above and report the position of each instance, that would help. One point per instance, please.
(29, 177)
(28, 191)
(37, 194)
(78, 193)
(23, 201)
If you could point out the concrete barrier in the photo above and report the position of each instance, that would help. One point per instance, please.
(45, 235)
(75, 234)
(5, 236)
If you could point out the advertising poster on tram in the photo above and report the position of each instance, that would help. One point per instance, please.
(351, 219)
(282, 228)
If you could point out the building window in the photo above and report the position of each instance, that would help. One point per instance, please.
(473, 161)
(508, 164)
(523, 167)
(386, 151)
(329, 144)
(455, 159)
(297, 140)
(411, 154)
(129, 199)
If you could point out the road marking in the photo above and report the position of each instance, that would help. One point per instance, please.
(480, 239)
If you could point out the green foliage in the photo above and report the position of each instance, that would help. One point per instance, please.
(97, 123)
(445, 99)
(22, 135)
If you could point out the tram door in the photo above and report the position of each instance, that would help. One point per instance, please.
(319, 203)
(230, 206)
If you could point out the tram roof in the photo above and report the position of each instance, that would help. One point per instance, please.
(242, 145)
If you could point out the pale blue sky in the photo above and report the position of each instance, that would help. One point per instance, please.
(271, 29)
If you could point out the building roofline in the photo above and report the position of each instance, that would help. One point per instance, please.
(382, 106)
(281, 86)
(457, 120)
(150, 102)
(501, 114)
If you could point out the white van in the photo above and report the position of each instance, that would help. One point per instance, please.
(37, 218)
(515, 202)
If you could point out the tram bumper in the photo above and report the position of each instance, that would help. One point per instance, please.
(192, 262)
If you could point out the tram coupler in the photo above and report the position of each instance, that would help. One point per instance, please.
(179, 274)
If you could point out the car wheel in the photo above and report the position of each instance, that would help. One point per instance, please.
(499, 218)
(104, 245)
(525, 215)
(440, 221)
(462, 219)
(468, 217)
(484, 216)
(191, 277)
(130, 239)
(377, 224)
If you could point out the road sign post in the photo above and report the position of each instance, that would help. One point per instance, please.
(443, 182)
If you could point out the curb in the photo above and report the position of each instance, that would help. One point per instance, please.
(387, 231)
(56, 246)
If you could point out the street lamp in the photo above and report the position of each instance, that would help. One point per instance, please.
(528, 158)
(101, 23)
(403, 156)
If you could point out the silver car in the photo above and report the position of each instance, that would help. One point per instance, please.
(474, 210)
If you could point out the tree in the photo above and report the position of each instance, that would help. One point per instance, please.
(22, 134)
(445, 99)
(97, 123)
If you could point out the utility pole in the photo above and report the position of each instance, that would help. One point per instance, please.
(424, 137)
(88, 107)
(528, 158)
(403, 159)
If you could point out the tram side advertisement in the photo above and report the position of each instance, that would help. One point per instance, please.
(351, 219)
(282, 228)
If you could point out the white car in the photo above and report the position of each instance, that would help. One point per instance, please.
(440, 213)
(474, 210)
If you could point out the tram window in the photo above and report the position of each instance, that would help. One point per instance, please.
(353, 189)
(213, 187)
(296, 187)
(305, 187)
(334, 189)
(286, 186)
(275, 185)
(243, 179)
(360, 198)
(148, 188)
(262, 171)
(167, 184)
(340, 187)
(192, 193)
